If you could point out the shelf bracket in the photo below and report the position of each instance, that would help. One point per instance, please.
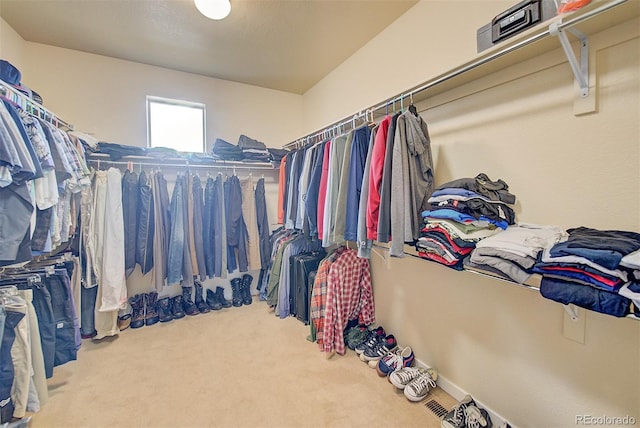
(580, 67)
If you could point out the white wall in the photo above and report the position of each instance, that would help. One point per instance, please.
(501, 343)
(429, 39)
(11, 45)
(107, 97)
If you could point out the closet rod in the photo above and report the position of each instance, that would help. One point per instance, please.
(43, 112)
(185, 164)
(460, 70)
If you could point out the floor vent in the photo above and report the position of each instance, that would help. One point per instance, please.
(436, 408)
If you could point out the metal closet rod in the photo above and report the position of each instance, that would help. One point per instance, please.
(46, 114)
(455, 73)
(185, 164)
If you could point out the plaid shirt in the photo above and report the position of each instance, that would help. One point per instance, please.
(319, 294)
(349, 296)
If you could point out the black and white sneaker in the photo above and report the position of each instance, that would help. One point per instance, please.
(381, 349)
(456, 418)
(477, 417)
(372, 339)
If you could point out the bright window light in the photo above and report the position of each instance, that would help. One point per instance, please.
(175, 124)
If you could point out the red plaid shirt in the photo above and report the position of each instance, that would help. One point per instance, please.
(319, 294)
(349, 296)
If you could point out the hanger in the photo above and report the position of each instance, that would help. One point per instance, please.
(412, 108)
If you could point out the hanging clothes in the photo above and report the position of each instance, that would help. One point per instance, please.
(313, 189)
(364, 243)
(375, 177)
(339, 222)
(263, 224)
(129, 212)
(175, 255)
(161, 230)
(145, 224)
(384, 213)
(249, 215)
(357, 163)
(198, 228)
(411, 180)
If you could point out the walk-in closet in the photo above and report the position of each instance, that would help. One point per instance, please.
(246, 213)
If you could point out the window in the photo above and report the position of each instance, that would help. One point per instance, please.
(175, 124)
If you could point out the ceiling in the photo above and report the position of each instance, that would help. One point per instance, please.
(287, 45)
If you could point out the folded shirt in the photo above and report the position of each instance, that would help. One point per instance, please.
(450, 214)
(226, 151)
(482, 184)
(546, 257)
(591, 298)
(525, 263)
(526, 240)
(245, 142)
(509, 269)
(605, 247)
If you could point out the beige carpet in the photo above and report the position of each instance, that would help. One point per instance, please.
(239, 367)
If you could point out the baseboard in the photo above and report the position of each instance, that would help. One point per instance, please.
(458, 393)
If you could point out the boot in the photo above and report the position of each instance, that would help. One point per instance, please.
(176, 307)
(202, 306)
(151, 308)
(220, 294)
(164, 310)
(212, 301)
(137, 311)
(236, 287)
(246, 289)
(189, 307)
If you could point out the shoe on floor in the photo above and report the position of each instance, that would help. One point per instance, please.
(123, 323)
(380, 350)
(395, 360)
(420, 387)
(355, 336)
(456, 418)
(403, 376)
(477, 418)
(373, 337)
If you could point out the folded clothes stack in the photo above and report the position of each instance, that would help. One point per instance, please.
(463, 212)
(277, 154)
(117, 151)
(223, 150)
(253, 150)
(513, 253)
(593, 269)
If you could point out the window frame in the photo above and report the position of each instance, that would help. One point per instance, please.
(180, 103)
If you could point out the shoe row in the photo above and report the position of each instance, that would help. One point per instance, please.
(147, 309)
(467, 414)
(381, 351)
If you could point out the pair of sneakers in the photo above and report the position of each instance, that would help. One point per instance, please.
(371, 338)
(415, 382)
(394, 360)
(383, 345)
(467, 414)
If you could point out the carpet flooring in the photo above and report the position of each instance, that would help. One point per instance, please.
(238, 367)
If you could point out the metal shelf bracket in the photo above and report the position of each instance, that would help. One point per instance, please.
(580, 66)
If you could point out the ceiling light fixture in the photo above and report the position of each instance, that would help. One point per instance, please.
(214, 9)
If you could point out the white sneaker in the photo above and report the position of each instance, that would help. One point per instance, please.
(402, 377)
(419, 388)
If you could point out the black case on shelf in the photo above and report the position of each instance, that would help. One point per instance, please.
(514, 20)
